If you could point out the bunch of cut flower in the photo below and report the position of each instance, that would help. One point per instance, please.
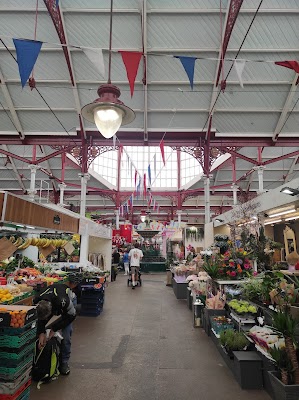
(198, 284)
(235, 264)
(216, 302)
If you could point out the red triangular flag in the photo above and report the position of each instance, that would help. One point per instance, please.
(131, 59)
(289, 64)
(135, 179)
(162, 150)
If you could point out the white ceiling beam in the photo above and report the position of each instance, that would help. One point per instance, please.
(145, 94)
(10, 106)
(286, 108)
(158, 11)
(162, 82)
(152, 50)
(291, 169)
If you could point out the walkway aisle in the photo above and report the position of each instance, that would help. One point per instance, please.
(143, 347)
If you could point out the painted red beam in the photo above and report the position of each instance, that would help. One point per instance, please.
(289, 155)
(236, 154)
(233, 12)
(57, 21)
(25, 160)
(136, 139)
(52, 155)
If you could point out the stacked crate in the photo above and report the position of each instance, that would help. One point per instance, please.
(17, 345)
(92, 299)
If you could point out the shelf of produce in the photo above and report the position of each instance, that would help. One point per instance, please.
(28, 301)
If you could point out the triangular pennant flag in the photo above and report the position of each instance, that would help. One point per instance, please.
(155, 164)
(162, 151)
(131, 59)
(154, 205)
(95, 56)
(149, 174)
(144, 185)
(289, 64)
(239, 67)
(188, 64)
(27, 53)
(132, 201)
(57, 3)
(135, 178)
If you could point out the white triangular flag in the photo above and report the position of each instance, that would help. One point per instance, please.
(239, 67)
(96, 57)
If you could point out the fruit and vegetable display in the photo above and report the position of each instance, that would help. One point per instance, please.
(242, 307)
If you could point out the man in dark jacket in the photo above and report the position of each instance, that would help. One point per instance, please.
(58, 300)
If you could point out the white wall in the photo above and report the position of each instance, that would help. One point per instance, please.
(103, 246)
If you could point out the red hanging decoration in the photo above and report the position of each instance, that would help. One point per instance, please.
(131, 59)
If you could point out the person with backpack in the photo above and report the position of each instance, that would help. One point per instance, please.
(58, 300)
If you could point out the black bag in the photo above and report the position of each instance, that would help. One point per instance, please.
(46, 362)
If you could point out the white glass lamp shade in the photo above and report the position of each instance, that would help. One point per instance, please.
(108, 120)
(142, 217)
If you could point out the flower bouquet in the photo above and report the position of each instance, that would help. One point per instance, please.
(235, 264)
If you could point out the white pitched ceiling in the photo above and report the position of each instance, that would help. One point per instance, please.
(174, 27)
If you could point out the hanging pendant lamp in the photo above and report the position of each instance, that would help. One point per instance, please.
(108, 112)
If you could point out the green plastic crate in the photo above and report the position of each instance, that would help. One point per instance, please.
(10, 374)
(12, 360)
(17, 341)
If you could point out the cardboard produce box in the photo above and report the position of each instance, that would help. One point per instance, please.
(5, 316)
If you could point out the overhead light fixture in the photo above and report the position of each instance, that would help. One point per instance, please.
(290, 191)
(219, 220)
(282, 213)
(272, 222)
(108, 112)
(291, 218)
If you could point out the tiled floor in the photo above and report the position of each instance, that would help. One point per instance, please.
(143, 347)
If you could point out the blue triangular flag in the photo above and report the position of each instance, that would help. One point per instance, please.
(149, 174)
(27, 53)
(188, 64)
(57, 3)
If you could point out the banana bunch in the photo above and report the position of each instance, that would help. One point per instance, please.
(18, 242)
(22, 244)
(25, 244)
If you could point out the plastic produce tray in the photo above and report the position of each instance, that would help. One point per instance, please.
(14, 386)
(25, 395)
(17, 341)
(12, 360)
(21, 393)
(10, 374)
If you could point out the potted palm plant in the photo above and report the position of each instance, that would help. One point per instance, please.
(285, 383)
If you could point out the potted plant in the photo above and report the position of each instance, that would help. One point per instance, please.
(233, 341)
(288, 368)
